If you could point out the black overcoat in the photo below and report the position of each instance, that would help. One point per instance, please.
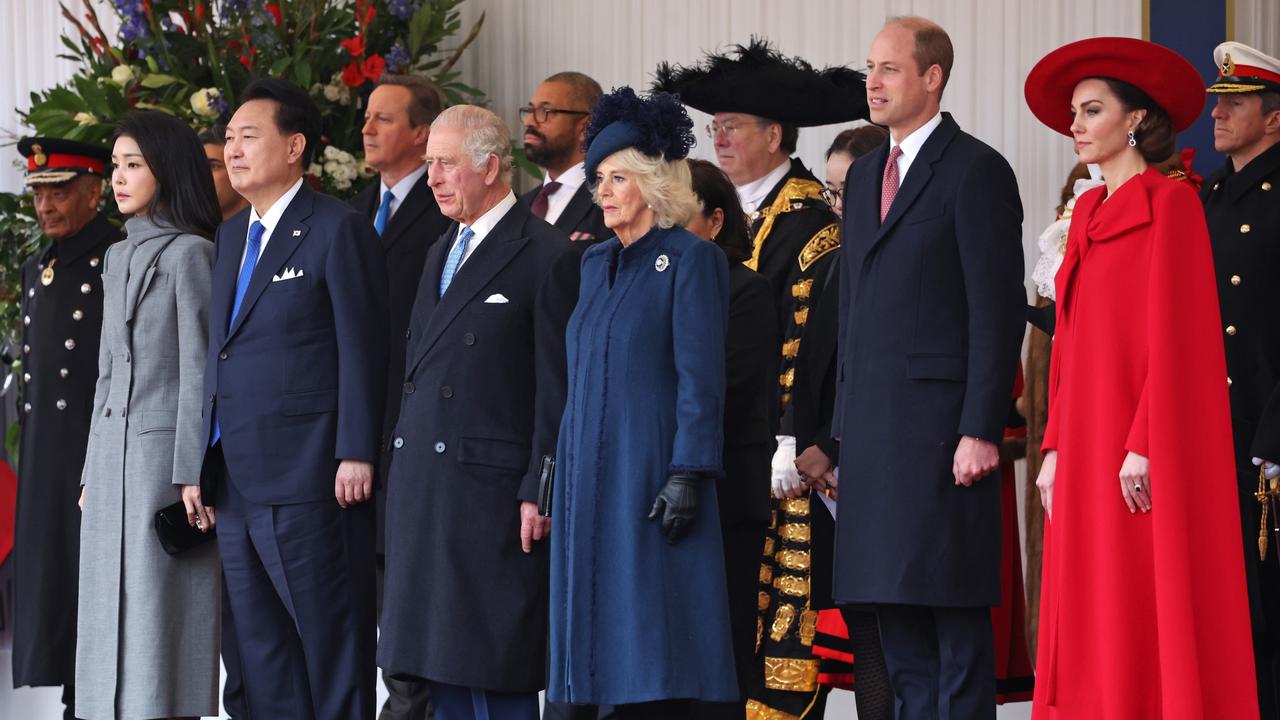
(62, 323)
(480, 404)
(582, 220)
(933, 311)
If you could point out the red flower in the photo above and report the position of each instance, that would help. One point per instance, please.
(246, 61)
(355, 45)
(351, 75)
(200, 11)
(373, 67)
(233, 45)
(274, 9)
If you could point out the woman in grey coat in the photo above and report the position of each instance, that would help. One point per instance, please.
(148, 623)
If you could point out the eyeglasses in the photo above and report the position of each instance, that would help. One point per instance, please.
(832, 194)
(543, 114)
(728, 129)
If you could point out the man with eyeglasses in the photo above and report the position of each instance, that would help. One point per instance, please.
(759, 100)
(554, 122)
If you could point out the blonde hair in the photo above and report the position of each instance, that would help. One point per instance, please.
(485, 135)
(666, 186)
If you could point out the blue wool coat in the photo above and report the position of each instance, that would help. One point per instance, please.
(634, 619)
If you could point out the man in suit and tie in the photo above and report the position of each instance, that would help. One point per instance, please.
(554, 122)
(932, 317)
(404, 214)
(465, 601)
(295, 380)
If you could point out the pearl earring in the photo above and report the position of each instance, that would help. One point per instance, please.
(1133, 142)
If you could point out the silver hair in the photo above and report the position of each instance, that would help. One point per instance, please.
(484, 134)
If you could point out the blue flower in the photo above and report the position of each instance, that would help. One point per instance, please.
(403, 9)
(133, 20)
(398, 58)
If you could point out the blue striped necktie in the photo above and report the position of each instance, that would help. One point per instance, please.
(384, 212)
(452, 262)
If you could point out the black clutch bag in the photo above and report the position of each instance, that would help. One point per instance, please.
(174, 532)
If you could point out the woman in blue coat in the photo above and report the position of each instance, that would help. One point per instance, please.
(639, 615)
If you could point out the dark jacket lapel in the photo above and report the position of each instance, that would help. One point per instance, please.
(415, 204)
(288, 233)
(576, 211)
(919, 175)
(230, 241)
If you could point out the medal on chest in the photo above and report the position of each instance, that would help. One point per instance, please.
(46, 276)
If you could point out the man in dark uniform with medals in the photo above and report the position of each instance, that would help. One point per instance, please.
(759, 99)
(61, 323)
(1242, 207)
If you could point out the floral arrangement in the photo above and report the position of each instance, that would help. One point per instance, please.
(191, 58)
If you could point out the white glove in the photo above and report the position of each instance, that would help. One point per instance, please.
(786, 479)
(1272, 470)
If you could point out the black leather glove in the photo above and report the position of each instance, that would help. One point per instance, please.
(676, 504)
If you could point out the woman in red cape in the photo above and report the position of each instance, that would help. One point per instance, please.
(1143, 608)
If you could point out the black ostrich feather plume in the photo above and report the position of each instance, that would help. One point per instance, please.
(665, 127)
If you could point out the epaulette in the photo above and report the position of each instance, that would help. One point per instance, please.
(822, 243)
(796, 194)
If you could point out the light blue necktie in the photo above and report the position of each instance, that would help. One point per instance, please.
(251, 252)
(452, 262)
(384, 212)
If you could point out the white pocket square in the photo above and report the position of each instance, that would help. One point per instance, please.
(287, 274)
(497, 298)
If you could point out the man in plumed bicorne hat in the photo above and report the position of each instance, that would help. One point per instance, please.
(1242, 208)
(61, 323)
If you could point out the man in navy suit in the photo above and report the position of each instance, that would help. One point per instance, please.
(294, 383)
(932, 317)
(465, 600)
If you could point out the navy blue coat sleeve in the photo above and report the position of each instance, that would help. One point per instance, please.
(356, 273)
(698, 324)
(989, 238)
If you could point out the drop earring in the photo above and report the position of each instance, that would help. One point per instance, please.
(1133, 142)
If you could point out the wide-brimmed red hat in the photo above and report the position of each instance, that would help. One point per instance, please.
(1163, 74)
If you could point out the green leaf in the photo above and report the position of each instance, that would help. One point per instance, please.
(13, 442)
(152, 65)
(157, 80)
(279, 66)
(302, 73)
(420, 26)
(93, 95)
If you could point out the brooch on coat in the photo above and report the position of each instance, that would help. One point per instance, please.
(662, 263)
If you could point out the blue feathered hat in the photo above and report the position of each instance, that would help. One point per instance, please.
(657, 126)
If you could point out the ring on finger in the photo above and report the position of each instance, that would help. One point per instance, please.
(1137, 487)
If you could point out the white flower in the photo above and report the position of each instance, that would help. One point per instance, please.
(331, 152)
(85, 118)
(123, 74)
(364, 170)
(316, 169)
(202, 102)
(332, 93)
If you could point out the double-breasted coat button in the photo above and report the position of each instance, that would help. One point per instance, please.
(64, 372)
(1266, 186)
(409, 388)
(26, 320)
(1245, 228)
(399, 443)
(77, 315)
(407, 333)
(31, 292)
(26, 377)
(1215, 186)
(222, 355)
(1228, 381)
(108, 413)
(93, 262)
(86, 288)
(1231, 329)
(62, 404)
(26, 407)
(1235, 279)
(26, 349)
(468, 339)
(439, 448)
(70, 343)
(446, 392)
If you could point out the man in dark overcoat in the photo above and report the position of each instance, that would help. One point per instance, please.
(1242, 208)
(405, 216)
(61, 325)
(465, 599)
(933, 310)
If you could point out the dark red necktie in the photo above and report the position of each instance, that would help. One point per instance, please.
(889, 188)
(543, 199)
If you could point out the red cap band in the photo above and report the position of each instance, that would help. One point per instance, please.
(68, 161)
(1248, 71)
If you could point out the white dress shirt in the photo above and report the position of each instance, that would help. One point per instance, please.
(483, 226)
(400, 191)
(753, 193)
(570, 180)
(269, 220)
(911, 145)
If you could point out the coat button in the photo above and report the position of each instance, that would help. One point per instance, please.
(108, 412)
(26, 377)
(1228, 382)
(446, 392)
(86, 288)
(70, 343)
(439, 448)
(1231, 329)
(1235, 279)
(63, 373)
(468, 339)
(62, 404)
(31, 292)
(1266, 186)
(77, 315)
(399, 443)
(26, 349)
(26, 320)
(222, 355)
(407, 333)
(409, 388)
(26, 407)
(1245, 228)
(93, 262)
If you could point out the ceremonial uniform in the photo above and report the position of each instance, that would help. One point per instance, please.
(1242, 209)
(61, 322)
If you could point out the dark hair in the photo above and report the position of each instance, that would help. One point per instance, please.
(858, 141)
(1270, 101)
(715, 190)
(425, 102)
(213, 135)
(585, 89)
(1155, 135)
(296, 112)
(185, 196)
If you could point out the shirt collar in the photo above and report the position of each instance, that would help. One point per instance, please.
(570, 179)
(753, 193)
(402, 188)
(912, 143)
(490, 219)
(272, 216)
